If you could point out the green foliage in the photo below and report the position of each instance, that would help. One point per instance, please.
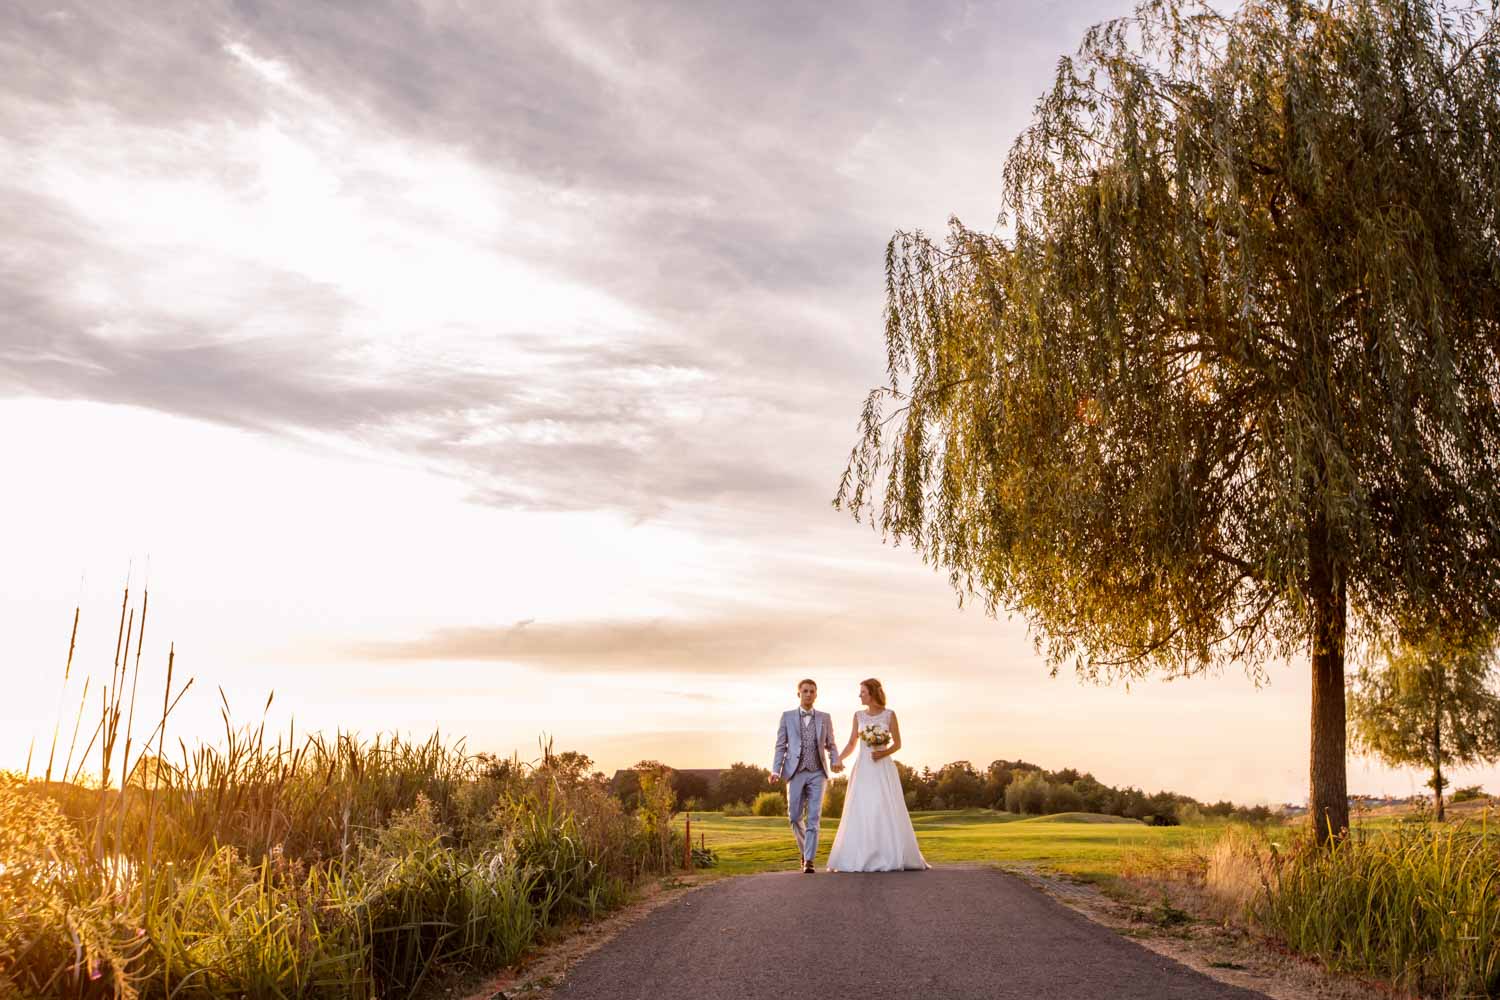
(834, 795)
(736, 809)
(1062, 798)
(960, 787)
(742, 782)
(1027, 794)
(658, 804)
(465, 862)
(1429, 702)
(1232, 376)
(690, 788)
(769, 804)
(1469, 793)
(1415, 905)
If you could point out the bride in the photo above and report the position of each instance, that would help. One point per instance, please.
(875, 833)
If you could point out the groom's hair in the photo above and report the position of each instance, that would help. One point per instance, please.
(807, 680)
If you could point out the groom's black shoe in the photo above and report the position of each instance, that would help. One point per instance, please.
(807, 868)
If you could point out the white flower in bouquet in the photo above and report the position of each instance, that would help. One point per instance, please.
(875, 736)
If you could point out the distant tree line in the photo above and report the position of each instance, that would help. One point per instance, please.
(1013, 786)
(738, 784)
(1022, 787)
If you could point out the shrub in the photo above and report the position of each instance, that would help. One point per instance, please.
(736, 809)
(1027, 794)
(1061, 799)
(959, 786)
(1415, 905)
(742, 782)
(1468, 793)
(769, 804)
(833, 796)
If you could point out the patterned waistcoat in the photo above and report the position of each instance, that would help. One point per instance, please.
(808, 759)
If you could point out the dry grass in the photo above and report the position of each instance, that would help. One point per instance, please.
(269, 866)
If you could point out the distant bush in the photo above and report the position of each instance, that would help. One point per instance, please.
(1027, 794)
(742, 782)
(833, 797)
(960, 787)
(769, 804)
(1469, 793)
(736, 809)
(1061, 799)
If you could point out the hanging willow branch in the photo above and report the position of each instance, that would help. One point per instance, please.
(1237, 354)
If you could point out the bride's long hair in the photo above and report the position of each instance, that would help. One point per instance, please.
(876, 692)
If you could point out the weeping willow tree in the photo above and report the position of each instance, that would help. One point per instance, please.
(1224, 387)
(1429, 702)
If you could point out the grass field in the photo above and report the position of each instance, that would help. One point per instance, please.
(1080, 844)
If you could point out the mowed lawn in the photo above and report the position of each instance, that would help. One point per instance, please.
(1081, 844)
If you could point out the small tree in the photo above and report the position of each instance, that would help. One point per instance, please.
(1027, 793)
(742, 782)
(1228, 392)
(1429, 703)
(833, 797)
(996, 778)
(657, 806)
(959, 787)
(691, 786)
(1062, 798)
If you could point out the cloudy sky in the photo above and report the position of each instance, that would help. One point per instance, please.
(491, 367)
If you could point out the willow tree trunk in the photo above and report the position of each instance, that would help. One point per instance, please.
(1437, 755)
(1328, 792)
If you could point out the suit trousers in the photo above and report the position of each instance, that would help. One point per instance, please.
(804, 796)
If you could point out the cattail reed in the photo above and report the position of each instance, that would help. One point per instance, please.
(67, 673)
(300, 865)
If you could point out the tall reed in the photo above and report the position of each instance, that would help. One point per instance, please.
(1418, 905)
(285, 866)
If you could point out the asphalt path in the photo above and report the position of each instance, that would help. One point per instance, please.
(944, 934)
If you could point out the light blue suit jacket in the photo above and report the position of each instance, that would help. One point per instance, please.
(789, 742)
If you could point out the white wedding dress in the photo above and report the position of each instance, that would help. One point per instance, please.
(875, 833)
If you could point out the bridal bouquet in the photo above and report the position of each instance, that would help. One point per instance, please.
(875, 737)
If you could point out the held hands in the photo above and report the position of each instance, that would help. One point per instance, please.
(775, 778)
(837, 766)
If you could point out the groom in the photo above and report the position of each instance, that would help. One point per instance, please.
(801, 740)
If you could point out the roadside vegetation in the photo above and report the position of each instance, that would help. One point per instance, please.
(335, 867)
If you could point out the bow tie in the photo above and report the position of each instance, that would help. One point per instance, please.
(806, 714)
